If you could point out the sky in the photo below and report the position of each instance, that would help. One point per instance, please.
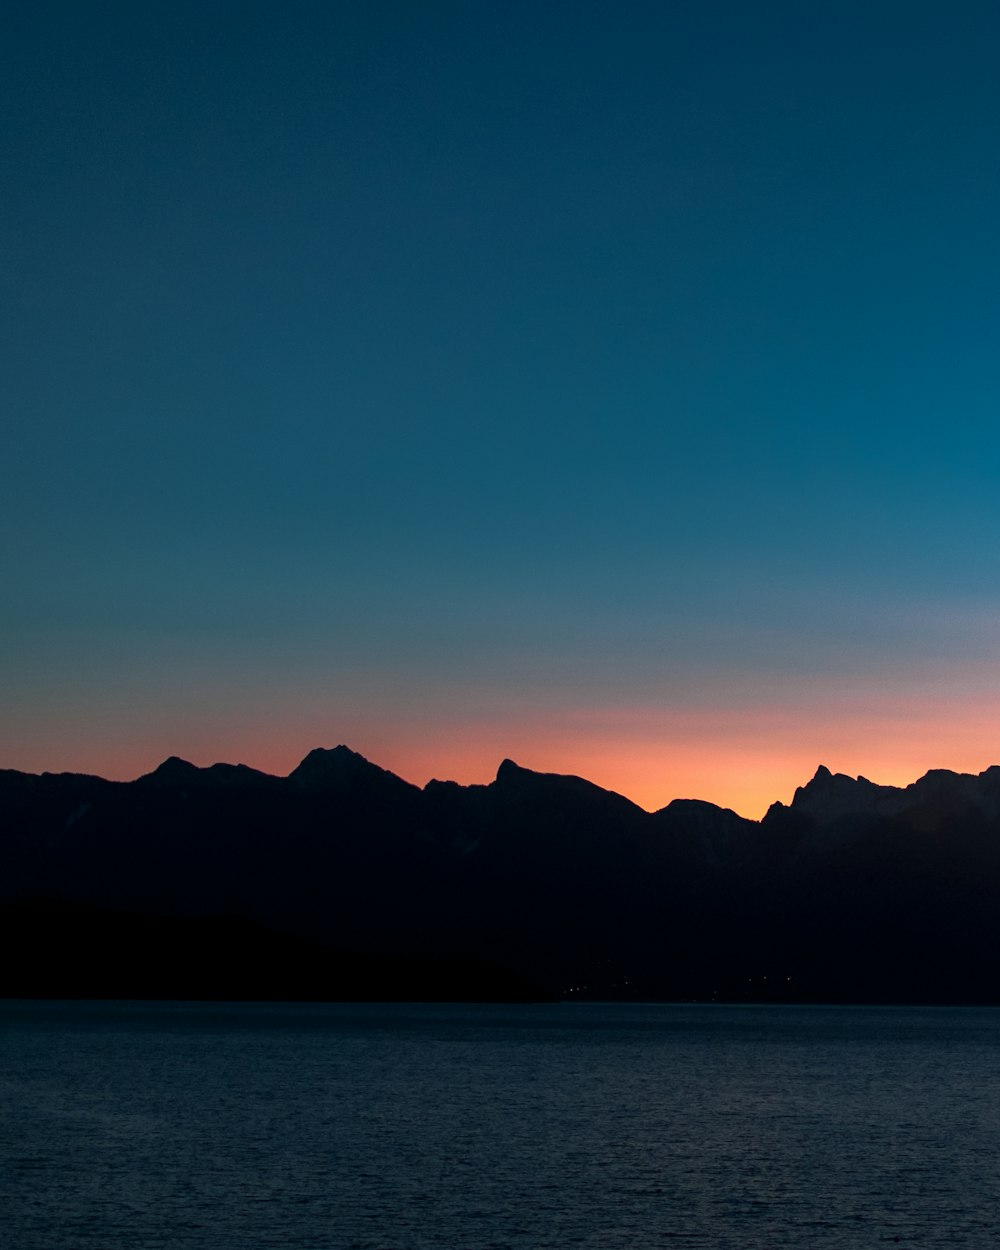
(614, 388)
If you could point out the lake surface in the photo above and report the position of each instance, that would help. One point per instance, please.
(198, 1126)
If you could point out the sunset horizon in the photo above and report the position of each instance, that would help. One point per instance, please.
(740, 783)
(510, 394)
(615, 395)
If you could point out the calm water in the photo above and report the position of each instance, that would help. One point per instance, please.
(389, 1127)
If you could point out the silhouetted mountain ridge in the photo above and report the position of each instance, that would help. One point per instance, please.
(853, 890)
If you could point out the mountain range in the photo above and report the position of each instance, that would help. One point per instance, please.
(343, 880)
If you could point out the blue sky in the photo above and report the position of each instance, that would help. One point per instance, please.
(577, 383)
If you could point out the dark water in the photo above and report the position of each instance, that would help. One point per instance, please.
(389, 1127)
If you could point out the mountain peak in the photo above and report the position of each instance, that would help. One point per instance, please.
(173, 773)
(174, 768)
(829, 796)
(825, 782)
(333, 767)
(329, 764)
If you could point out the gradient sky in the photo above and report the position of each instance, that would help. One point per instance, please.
(609, 386)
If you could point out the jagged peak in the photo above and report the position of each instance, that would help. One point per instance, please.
(332, 766)
(827, 783)
(328, 761)
(830, 796)
(339, 752)
(824, 777)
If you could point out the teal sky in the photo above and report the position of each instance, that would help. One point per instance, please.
(614, 387)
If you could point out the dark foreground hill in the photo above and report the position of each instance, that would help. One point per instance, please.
(342, 880)
(69, 950)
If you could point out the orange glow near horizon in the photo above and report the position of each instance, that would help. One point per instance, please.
(744, 758)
